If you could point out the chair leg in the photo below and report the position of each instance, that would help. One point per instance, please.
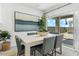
(61, 49)
(55, 52)
(34, 52)
(52, 53)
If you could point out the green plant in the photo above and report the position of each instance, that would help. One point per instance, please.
(4, 35)
(42, 24)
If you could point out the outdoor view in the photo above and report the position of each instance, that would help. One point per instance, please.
(65, 27)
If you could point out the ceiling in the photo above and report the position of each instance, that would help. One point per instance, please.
(45, 7)
(41, 6)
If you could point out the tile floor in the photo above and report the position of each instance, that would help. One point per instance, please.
(66, 51)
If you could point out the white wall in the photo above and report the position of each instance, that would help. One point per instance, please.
(76, 30)
(7, 17)
(1, 18)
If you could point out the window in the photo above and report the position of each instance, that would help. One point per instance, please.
(51, 23)
(66, 22)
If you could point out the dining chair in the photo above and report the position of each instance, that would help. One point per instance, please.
(58, 44)
(20, 47)
(46, 47)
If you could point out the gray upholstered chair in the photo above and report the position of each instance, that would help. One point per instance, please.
(46, 47)
(20, 47)
(58, 43)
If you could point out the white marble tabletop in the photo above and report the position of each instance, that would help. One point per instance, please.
(34, 38)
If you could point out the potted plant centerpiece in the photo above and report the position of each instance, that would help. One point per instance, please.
(4, 35)
(42, 26)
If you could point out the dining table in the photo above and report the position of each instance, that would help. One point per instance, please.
(32, 40)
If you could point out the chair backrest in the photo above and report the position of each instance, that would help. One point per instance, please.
(18, 43)
(48, 44)
(58, 41)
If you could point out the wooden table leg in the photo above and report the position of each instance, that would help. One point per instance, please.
(27, 50)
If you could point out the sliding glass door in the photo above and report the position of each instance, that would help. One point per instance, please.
(62, 25)
(66, 25)
(67, 29)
